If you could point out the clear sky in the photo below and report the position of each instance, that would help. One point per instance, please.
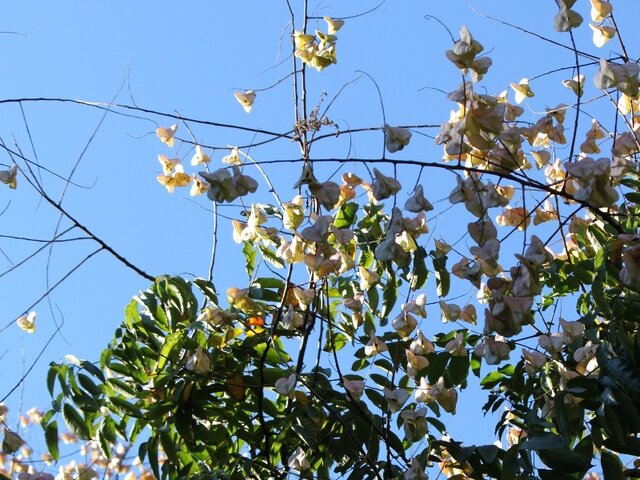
(189, 58)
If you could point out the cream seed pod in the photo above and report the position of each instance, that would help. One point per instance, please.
(246, 99)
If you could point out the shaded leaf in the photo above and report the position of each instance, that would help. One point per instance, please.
(51, 438)
(612, 467)
(389, 296)
(564, 461)
(75, 422)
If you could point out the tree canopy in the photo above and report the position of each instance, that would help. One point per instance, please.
(370, 306)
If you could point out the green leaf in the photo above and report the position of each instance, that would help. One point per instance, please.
(376, 398)
(443, 279)
(159, 410)
(380, 380)
(554, 475)
(475, 365)
(420, 272)
(366, 258)
(585, 447)
(266, 282)
(87, 404)
(92, 369)
(207, 288)
(273, 357)
(612, 467)
(51, 377)
(105, 446)
(183, 422)
(492, 379)
(545, 441)
(335, 341)
(142, 451)
(51, 437)
(437, 424)
(613, 425)
(561, 418)
(437, 364)
(458, 369)
(108, 429)
(170, 343)
(628, 410)
(125, 407)
(564, 461)
(373, 298)
(394, 442)
(369, 323)
(62, 371)
(75, 422)
(389, 296)
(488, 452)
(384, 364)
(618, 369)
(360, 364)
(633, 197)
(597, 291)
(121, 386)
(88, 385)
(269, 375)
(152, 451)
(631, 446)
(266, 295)
(346, 216)
(249, 252)
(131, 314)
(271, 257)
(510, 465)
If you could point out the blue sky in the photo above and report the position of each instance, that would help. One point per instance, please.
(189, 58)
